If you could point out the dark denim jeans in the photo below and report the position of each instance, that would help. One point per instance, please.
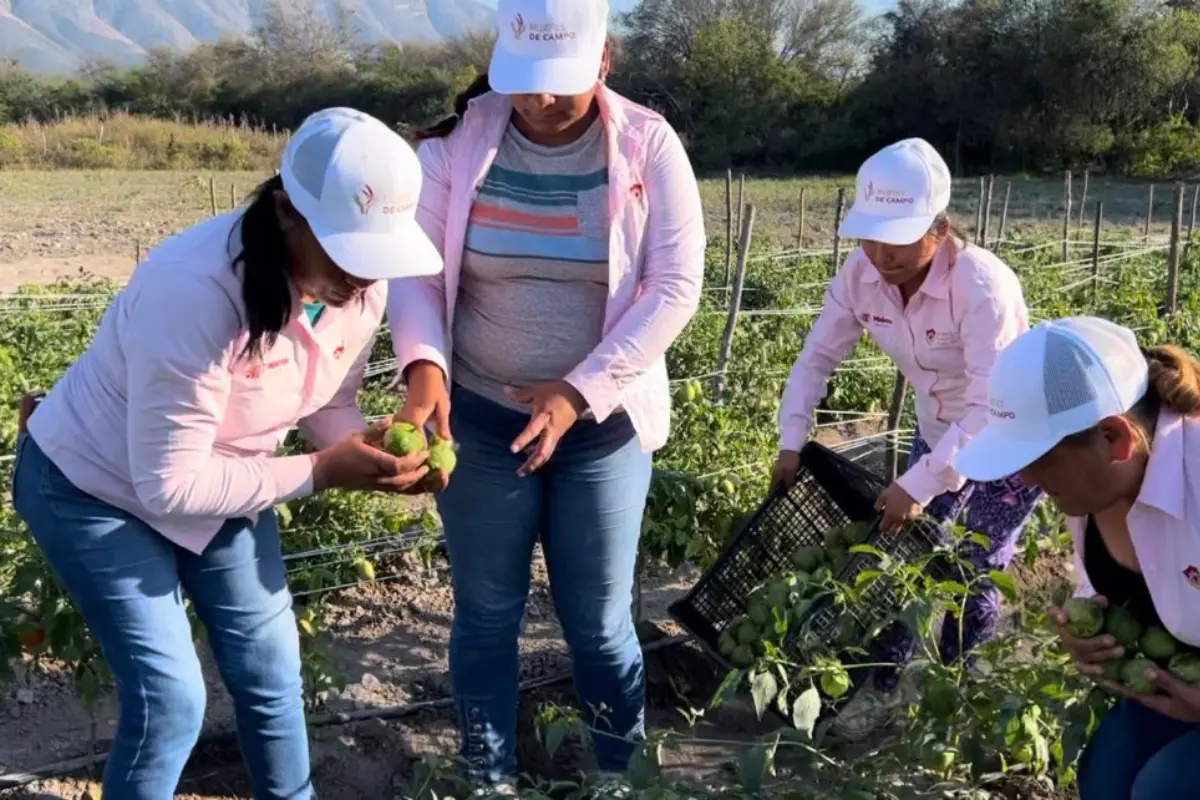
(586, 507)
(129, 583)
(1138, 754)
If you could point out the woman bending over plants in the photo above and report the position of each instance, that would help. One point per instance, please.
(571, 226)
(942, 309)
(1111, 433)
(148, 472)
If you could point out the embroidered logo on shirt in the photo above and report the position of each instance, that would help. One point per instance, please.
(636, 191)
(877, 319)
(1193, 576)
(365, 198)
(936, 339)
(338, 351)
(254, 371)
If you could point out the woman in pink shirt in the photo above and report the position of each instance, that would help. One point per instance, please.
(148, 473)
(571, 226)
(942, 309)
(1111, 432)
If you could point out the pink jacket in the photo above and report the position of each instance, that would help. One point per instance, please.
(656, 256)
(945, 341)
(163, 418)
(1164, 524)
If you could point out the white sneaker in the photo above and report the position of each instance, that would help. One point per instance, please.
(870, 711)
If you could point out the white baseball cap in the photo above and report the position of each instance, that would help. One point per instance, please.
(548, 46)
(356, 182)
(898, 194)
(1056, 379)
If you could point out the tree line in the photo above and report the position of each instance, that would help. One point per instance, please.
(774, 85)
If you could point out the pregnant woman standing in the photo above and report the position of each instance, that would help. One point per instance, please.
(148, 473)
(570, 222)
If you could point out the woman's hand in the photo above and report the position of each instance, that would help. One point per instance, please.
(556, 406)
(1179, 700)
(1089, 653)
(427, 398)
(897, 506)
(354, 463)
(787, 465)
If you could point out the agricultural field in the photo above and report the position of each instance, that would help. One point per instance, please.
(373, 588)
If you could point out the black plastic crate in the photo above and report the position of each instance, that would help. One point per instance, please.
(830, 491)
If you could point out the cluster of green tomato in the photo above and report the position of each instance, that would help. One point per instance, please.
(1146, 646)
(404, 439)
(786, 599)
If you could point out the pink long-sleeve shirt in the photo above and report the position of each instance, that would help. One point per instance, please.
(163, 417)
(1164, 525)
(655, 268)
(944, 341)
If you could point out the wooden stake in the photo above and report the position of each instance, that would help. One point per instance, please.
(1066, 238)
(735, 301)
(837, 223)
(1096, 255)
(893, 422)
(803, 205)
(987, 210)
(1173, 250)
(979, 211)
(1004, 213)
(728, 225)
(212, 195)
(1149, 212)
(1083, 197)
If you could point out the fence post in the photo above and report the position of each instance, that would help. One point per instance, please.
(728, 225)
(987, 210)
(803, 203)
(837, 223)
(893, 421)
(1066, 239)
(1087, 173)
(1173, 251)
(1149, 213)
(212, 195)
(1187, 248)
(735, 301)
(979, 211)
(1096, 255)
(137, 251)
(232, 196)
(741, 208)
(1004, 213)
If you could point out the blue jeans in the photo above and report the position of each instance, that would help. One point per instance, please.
(586, 506)
(129, 581)
(1138, 754)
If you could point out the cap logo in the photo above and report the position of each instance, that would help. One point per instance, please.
(888, 196)
(548, 32)
(870, 191)
(365, 199)
(518, 26)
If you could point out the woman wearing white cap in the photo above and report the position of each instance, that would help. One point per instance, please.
(1111, 432)
(148, 473)
(942, 309)
(571, 226)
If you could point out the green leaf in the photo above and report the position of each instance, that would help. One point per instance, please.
(806, 709)
(556, 732)
(644, 766)
(865, 577)
(763, 689)
(754, 765)
(1004, 582)
(284, 515)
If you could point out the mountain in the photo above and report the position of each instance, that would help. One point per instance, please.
(55, 36)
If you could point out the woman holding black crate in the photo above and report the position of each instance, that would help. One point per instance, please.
(942, 309)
